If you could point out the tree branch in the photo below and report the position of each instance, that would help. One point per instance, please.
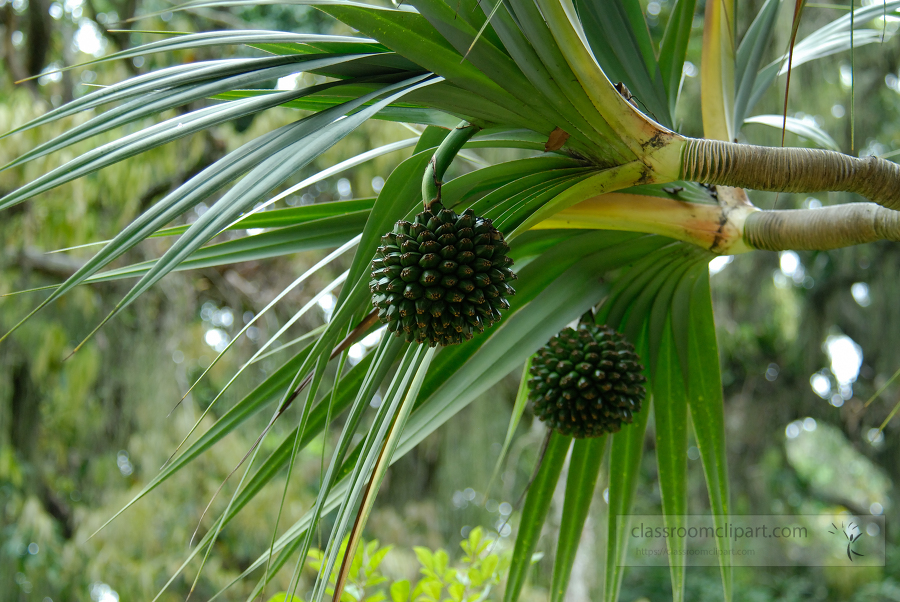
(10, 54)
(40, 27)
(791, 170)
(56, 264)
(821, 229)
(733, 227)
(120, 39)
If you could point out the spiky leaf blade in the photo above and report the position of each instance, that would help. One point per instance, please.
(537, 505)
(581, 479)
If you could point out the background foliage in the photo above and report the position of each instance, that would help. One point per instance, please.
(79, 438)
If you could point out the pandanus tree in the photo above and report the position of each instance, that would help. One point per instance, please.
(613, 217)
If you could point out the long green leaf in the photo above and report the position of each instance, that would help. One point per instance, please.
(309, 138)
(581, 479)
(825, 41)
(471, 186)
(312, 367)
(487, 57)
(624, 467)
(380, 468)
(532, 24)
(682, 309)
(660, 318)
(499, 67)
(156, 102)
(151, 137)
(316, 234)
(174, 204)
(469, 12)
(428, 108)
(513, 212)
(641, 310)
(671, 422)
(279, 458)
(860, 17)
(673, 49)
(381, 360)
(463, 372)
(528, 61)
(327, 43)
(497, 202)
(379, 66)
(326, 173)
(514, 419)
(537, 505)
(274, 218)
(717, 71)
(708, 411)
(508, 138)
(749, 57)
(140, 84)
(607, 180)
(249, 406)
(620, 41)
(413, 37)
(288, 216)
(373, 442)
(401, 191)
(431, 138)
(297, 315)
(639, 279)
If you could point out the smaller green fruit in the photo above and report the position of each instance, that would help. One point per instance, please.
(586, 382)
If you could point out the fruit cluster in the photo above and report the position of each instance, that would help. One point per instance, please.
(586, 382)
(442, 277)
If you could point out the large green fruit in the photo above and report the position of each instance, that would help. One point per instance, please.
(442, 277)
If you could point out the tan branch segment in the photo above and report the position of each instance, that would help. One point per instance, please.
(708, 226)
(821, 229)
(790, 170)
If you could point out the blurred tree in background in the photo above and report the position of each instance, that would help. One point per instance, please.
(79, 437)
(806, 338)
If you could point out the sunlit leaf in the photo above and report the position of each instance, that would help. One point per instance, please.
(805, 129)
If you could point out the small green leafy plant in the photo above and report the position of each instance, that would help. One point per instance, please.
(471, 579)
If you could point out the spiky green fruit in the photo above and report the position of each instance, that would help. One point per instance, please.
(441, 278)
(586, 382)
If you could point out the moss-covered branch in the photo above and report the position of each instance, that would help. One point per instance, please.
(791, 170)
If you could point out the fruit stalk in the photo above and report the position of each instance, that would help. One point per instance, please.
(443, 156)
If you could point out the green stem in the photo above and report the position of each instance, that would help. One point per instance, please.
(443, 156)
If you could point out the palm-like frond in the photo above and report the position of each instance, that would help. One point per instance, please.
(538, 68)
